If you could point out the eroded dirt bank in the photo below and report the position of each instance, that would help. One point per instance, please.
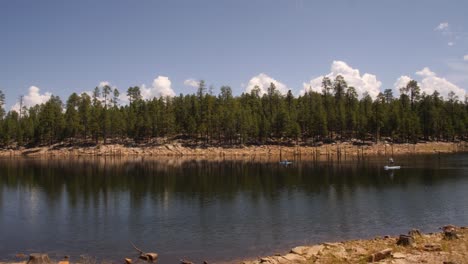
(341, 150)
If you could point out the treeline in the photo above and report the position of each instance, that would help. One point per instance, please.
(251, 118)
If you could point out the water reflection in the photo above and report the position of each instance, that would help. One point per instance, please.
(218, 210)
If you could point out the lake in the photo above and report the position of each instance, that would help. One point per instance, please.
(219, 210)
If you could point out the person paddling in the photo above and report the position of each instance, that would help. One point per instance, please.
(391, 161)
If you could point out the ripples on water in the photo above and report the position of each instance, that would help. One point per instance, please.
(219, 210)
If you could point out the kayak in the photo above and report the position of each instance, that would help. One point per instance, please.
(285, 162)
(392, 167)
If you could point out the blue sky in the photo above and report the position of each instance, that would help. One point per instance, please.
(62, 47)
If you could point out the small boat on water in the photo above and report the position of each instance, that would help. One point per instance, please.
(285, 162)
(392, 167)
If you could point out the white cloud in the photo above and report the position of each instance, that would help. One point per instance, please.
(191, 82)
(425, 72)
(362, 83)
(34, 97)
(263, 81)
(442, 26)
(430, 82)
(402, 81)
(104, 83)
(161, 87)
(451, 43)
(465, 58)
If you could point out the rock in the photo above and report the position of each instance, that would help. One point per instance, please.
(299, 250)
(380, 255)
(405, 240)
(184, 261)
(432, 247)
(308, 252)
(448, 228)
(359, 251)
(450, 234)
(269, 260)
(339, 252)
(128, 261)
(65, 260)
(291, 258)
(332, 244)
(38, 258)
(414, 233)
(398, 255)
(151, 257)
(20, 256)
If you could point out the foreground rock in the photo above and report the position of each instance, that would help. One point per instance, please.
(424, 248)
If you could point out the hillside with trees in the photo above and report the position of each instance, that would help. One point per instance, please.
(337, 113)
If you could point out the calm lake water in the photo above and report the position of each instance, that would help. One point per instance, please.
(219, 210)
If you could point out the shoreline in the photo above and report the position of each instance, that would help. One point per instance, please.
(448, 246)
(335, 150)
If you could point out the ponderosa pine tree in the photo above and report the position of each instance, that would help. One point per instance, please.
(338, 112)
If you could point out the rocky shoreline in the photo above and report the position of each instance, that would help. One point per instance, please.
(450, 246)
(335, 150)
(447, 247)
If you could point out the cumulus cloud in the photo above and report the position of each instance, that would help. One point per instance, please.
(425, 72)
(104, 83)
(402, 81)
(362, 83)
(465, 58)
(161, 87)
(430, 82)
(263, 81)
(442, 26)
(191, 82)
(34, 97)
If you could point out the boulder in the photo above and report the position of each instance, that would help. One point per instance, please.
(339, 252)
(38, 258)
(450, 234)
(432, 247)
(414, 233)
(269, 260)
(308, 252)
(405, 240)
(378, 256)
(291, 258)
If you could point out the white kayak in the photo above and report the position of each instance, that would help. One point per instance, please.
(392, 167)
